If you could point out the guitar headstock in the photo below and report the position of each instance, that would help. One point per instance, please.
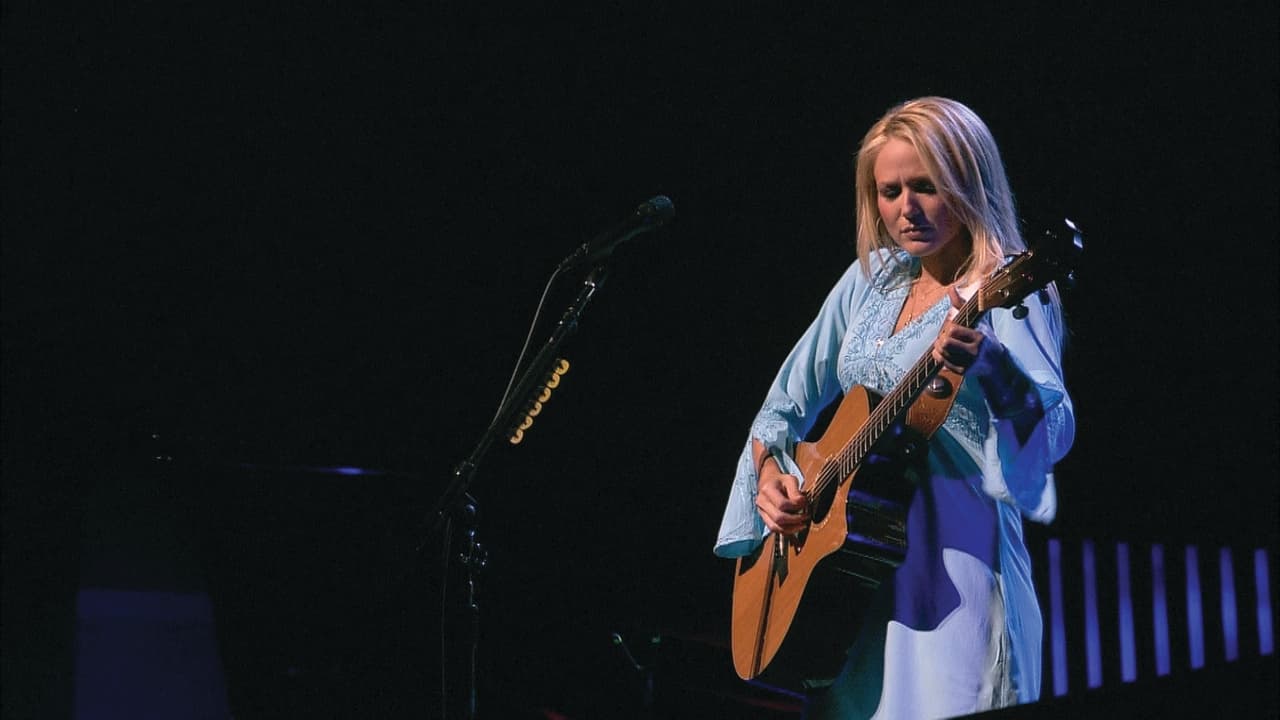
(1052, 258)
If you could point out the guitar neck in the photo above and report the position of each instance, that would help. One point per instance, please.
(894, 405)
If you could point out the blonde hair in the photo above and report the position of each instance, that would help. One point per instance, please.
(964, 164)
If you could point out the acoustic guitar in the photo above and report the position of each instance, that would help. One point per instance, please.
(797, 598)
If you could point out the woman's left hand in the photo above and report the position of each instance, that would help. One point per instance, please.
(963, 349)
(960, 349)
(970, 351)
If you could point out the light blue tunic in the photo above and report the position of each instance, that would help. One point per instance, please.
(964, 631)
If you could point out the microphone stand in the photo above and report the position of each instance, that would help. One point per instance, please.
(457, 506)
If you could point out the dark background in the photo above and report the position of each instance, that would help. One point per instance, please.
(314, 236)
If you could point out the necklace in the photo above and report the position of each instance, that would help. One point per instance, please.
(916, 301)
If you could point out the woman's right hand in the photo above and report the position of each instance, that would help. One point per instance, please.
(779, 501)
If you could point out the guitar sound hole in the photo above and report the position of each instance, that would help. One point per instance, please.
(820, 505)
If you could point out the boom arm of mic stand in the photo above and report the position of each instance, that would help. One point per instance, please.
(519, 399)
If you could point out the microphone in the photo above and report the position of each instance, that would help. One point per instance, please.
(651, 214)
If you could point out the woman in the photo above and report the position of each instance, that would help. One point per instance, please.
(958, 628)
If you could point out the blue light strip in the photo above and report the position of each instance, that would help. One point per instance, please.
(1057, 628)
(1230, 629)
(1159, 610)
(1195, 615)
(315, 469)
(1128, 653)
(775, 689)
(1092, 638)
(1262, 581)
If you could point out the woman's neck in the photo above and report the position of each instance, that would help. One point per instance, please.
(944, 267)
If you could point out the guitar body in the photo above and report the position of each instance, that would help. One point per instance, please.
(797, 599)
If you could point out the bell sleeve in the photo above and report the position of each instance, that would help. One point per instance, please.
(1020, 449)
(805, 384)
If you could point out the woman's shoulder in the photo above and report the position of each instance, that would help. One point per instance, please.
(888, 268)
(882, 270)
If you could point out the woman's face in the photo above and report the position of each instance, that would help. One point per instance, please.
(910, 206)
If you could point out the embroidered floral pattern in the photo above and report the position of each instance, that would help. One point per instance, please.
(770, 426)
